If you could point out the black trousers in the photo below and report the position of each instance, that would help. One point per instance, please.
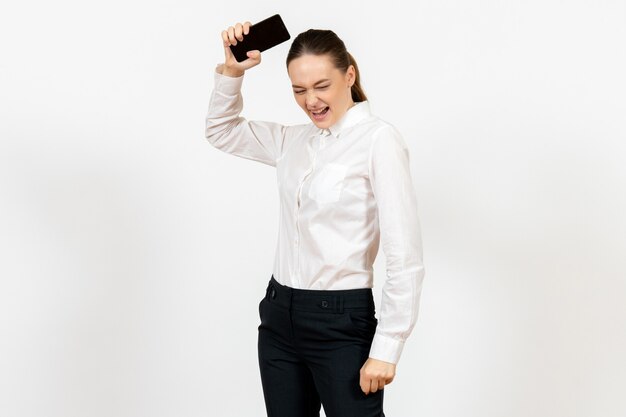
(312, 345)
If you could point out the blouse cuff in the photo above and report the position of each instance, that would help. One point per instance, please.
(386, 348)
(228, 85)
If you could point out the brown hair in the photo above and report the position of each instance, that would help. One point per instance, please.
(326, 42)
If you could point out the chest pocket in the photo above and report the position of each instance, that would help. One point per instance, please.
(327, 185)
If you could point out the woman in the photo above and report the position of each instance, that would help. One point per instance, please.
(344, 186)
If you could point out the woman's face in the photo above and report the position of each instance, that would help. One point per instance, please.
(322, 90)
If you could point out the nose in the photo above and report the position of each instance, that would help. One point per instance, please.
(311, 99)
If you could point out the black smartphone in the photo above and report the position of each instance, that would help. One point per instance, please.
(262, 36)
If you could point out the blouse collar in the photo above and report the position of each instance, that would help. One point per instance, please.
(355, 114)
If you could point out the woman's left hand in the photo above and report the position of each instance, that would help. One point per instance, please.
(375, 374)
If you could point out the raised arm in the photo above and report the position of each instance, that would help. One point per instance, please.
(225, 129)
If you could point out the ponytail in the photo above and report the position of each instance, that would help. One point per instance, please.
(357, 91)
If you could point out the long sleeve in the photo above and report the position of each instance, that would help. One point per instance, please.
(400, 236)
(227, 131)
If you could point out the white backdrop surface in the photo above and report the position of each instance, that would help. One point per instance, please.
(133, 254)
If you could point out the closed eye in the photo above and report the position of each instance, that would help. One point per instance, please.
(323, 87)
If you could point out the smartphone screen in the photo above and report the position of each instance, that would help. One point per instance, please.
(262, 36)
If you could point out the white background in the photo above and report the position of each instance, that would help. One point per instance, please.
(133, 254)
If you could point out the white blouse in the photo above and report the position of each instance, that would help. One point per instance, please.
(342, 191)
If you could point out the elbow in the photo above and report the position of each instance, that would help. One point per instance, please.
(210, 135)
(219, 131)
(213, 132)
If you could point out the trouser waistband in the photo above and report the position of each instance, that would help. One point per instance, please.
(322, 301)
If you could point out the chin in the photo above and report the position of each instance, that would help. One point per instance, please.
(324, 123)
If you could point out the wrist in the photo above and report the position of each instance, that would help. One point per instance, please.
(232, 72)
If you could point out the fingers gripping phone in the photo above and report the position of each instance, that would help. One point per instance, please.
(261, 36)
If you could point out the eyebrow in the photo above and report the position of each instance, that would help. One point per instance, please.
(319, 82)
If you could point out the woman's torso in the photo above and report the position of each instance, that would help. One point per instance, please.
(328, 230)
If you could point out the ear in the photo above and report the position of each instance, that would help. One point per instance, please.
(350, 75)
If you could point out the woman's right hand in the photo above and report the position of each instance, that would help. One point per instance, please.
(230, 66)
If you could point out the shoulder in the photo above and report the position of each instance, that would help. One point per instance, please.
(386, 135)
(380, 127)
(388, 147)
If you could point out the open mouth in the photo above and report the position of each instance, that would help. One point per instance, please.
(321, 114)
